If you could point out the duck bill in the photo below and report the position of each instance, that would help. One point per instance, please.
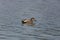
(35, 20)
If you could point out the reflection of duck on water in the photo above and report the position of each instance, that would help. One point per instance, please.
(28, 21)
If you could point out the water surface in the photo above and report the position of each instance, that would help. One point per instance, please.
(46, 12)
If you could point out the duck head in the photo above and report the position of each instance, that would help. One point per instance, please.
(33, 19)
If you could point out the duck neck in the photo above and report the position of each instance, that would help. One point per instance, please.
(31, 19)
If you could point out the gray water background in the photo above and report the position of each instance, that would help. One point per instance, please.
(46, 12)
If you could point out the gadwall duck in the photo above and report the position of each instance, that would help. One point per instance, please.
(28, 21)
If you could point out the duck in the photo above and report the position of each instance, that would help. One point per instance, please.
(28, 21)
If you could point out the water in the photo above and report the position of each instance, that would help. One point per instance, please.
(46, 12)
